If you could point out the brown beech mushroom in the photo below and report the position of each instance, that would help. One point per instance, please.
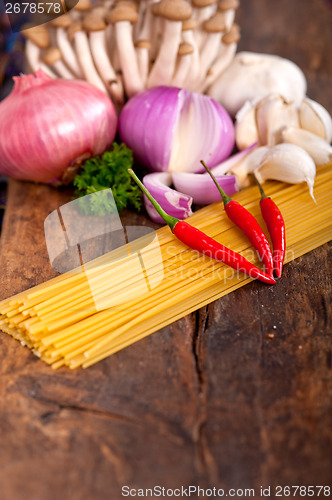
(225, 56)
(95, 26)
(82, 48)
(123, 17)
(185, 54)
(52, 57)
(61, 24)
(142, 50)
(173, 12)
(37, 39)
(188, 36)
(228, 8)
(79, 9)
(214, 28)
(202, 10)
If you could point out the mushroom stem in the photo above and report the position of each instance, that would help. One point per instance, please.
(52, 57)
(103, 64)
(201, 12)
(128, 60)
(142, 51)
(185, 56)
(224, 58)
(163, 68)
(67, 52)
(84, 57)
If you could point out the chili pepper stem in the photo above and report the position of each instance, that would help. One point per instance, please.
(170, 221)
(226, 199)
(261, 190)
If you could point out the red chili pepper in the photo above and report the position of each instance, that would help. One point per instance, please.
(276, 226)
(197, 240)
(248, 224)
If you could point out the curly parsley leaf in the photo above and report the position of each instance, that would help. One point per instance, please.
(103, 172)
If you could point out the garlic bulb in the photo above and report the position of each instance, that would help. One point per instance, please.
(287, 163)
(251, 76)
(319, 149)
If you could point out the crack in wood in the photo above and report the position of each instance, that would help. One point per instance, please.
(206, 467)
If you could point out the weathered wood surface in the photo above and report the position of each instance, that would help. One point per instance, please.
(212, 400)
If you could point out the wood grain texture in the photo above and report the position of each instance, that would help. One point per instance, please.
(237, 395)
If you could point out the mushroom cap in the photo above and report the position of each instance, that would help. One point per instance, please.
(62, 21)
(228, 4)
(39, 35)
(215, 24)
(73, 28)
(143, 44)
(173, 10)
(83, 5)
(100, 10)
(200, 4)
(52, 55)
(185, 49)
(126, 3)
(189, 24)
(233, 35)
(122, 13)
(94, 22)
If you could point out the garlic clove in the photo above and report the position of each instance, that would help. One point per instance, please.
(248, 164)
(274, 114)
(287, 163)
(319, 149)
(246, 132)
(315, 118)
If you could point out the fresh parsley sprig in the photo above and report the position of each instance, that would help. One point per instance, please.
(108, 171)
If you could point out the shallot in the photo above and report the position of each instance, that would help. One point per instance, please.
(48, 125)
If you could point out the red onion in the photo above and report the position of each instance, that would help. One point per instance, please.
(174, 203)
(201, 187)
(47, 124)
(172, 129)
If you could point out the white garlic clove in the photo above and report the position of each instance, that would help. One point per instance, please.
(245, 126)
(287, 163)
(273, 115)
(319, 149)
(315, 118)
(248, 164)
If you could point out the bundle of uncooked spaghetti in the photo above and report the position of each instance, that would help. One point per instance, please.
(84, 316)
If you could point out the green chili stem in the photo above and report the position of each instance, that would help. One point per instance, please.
(170, 221)
(261, 190)
(226, 199)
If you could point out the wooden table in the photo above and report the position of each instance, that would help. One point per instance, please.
(212, 400)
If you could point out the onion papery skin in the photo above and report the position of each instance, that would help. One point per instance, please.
(174, 203)
(172, 129)
(47, 124)
(201, 187)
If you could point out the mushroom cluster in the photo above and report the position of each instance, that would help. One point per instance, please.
(125, 46)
